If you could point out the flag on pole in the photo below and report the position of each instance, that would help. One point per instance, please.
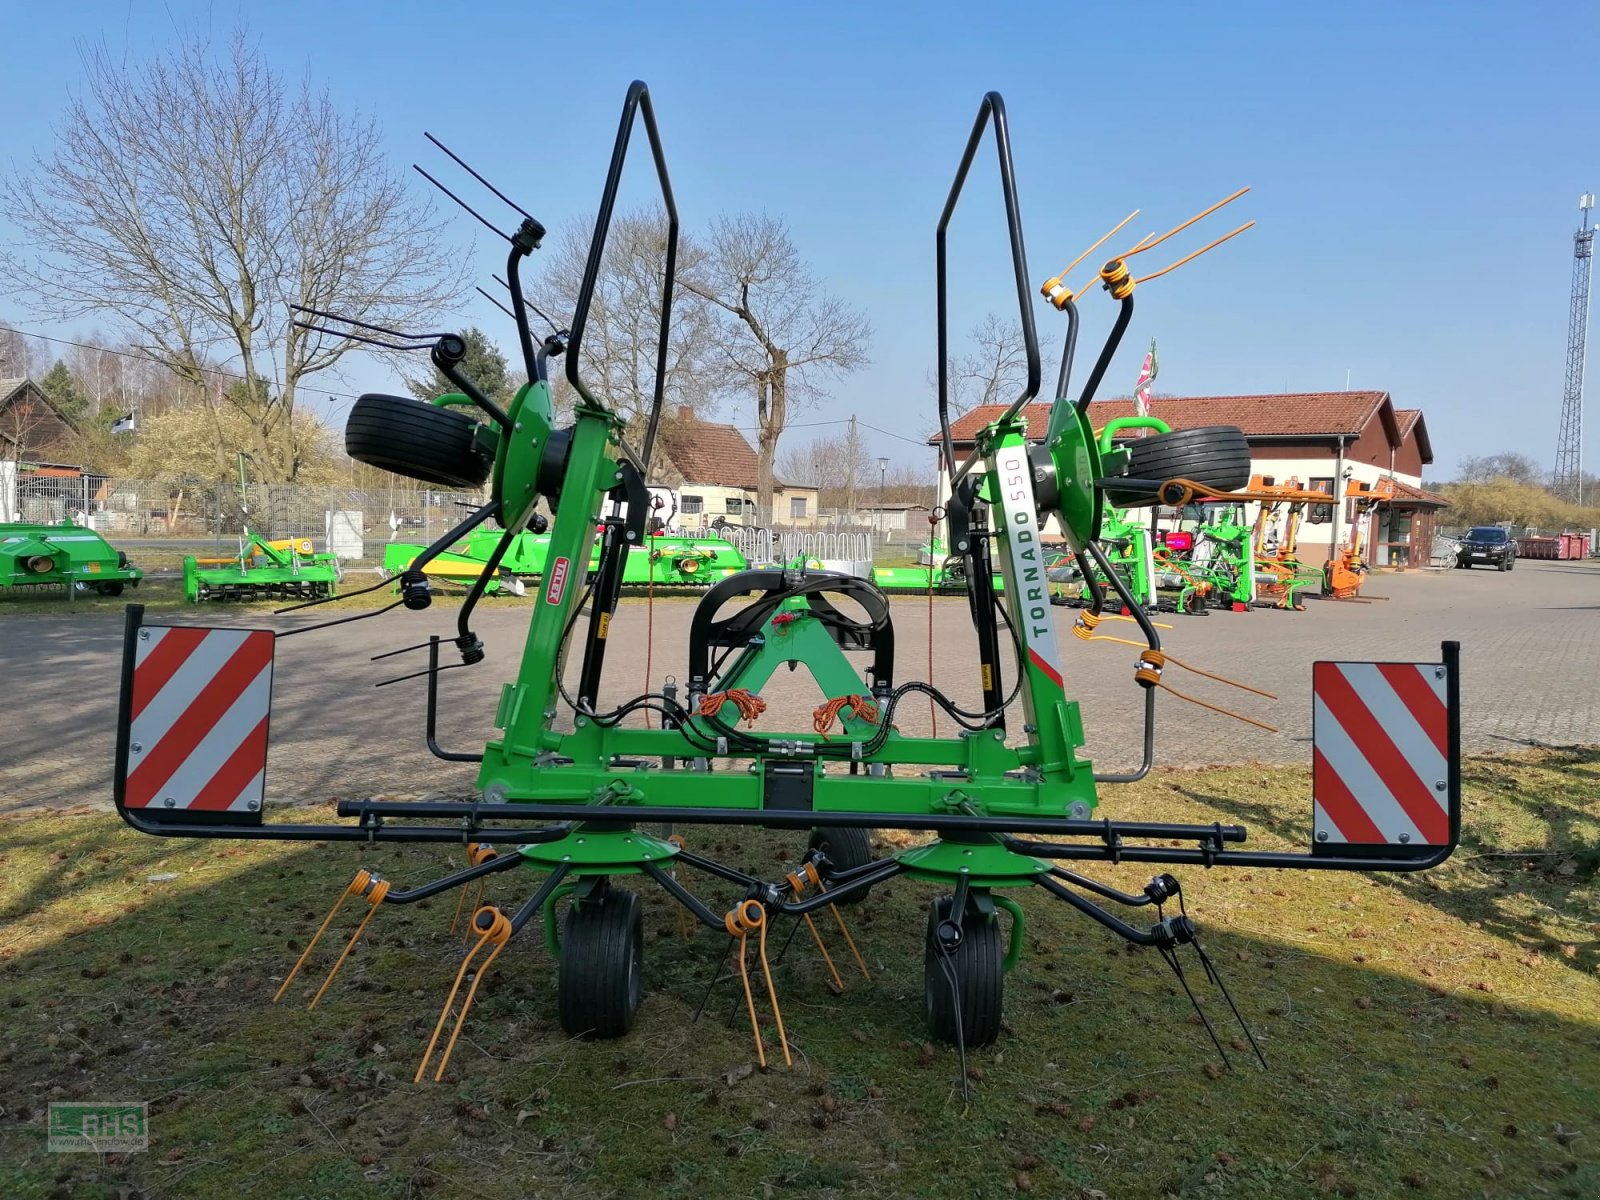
(1147, 376)
(123, 424)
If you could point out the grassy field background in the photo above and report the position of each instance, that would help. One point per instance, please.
(1435, 1035)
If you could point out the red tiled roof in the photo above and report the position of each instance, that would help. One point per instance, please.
(1294, 414)
(1410, 419)
(1407, 494)
(712, 454)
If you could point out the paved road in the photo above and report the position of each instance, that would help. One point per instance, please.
(1531, 657)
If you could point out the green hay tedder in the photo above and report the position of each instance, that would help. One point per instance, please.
(577, 795)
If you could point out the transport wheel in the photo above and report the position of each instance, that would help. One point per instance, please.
(846, 848)
(417, 440)
(602, 961)
(113, 588)
(1215, 455)
(978, 964)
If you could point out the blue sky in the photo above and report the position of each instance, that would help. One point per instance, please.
(1415, 167)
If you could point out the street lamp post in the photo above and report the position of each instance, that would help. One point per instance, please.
(883, 494)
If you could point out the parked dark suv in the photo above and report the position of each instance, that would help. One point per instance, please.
(1488, 546)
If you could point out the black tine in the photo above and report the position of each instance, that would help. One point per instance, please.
(420, 674)
(405, 650)
(472, 212)
(554, 328)
(342, 596)
(461, 162)
(716, 978)
(356, 337)
(1177, 969)
(496, 303)
(1226, 995)
(383, 329)
(949, 969)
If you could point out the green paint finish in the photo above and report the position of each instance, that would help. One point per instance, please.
(601, 851)
(65, 555)
(1014, 949)
(985, 863)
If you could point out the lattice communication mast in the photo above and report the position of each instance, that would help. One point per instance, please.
(1568, 479)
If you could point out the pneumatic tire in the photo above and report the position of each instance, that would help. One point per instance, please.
(846, 848)
(978, 969)
(1214, 455)
(417, 440)
(600, 979)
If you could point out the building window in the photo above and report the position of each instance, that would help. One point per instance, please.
(734, 505)
(1320, 514)
(797, 507)
(692, 504)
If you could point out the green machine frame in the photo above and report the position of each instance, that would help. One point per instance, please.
(1011, 796)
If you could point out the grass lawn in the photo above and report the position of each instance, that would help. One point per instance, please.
(1436, 1035)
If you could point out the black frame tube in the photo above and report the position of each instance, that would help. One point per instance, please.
(490, 866)
(430, 729)
(993, 107)
(536, 901)
(636, 102)
(1107, 352)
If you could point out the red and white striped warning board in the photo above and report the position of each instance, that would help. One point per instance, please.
(197, 719)
(1380, 737)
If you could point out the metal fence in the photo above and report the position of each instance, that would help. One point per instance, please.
(212, 515)
(762, 545)
(197, 517)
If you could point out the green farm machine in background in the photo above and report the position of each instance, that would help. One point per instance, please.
(278, 568)
(577, 793)
(67, 555)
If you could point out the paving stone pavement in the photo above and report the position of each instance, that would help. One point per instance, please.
(1530, 662)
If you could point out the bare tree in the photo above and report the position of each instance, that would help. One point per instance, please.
(780, 330)
(835, 465)
(619, 340)
(994, 369)
(15, 357)
(194, 199)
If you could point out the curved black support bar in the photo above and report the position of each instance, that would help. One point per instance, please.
(464, 617)
(536, 901)
(1068, 352)
(682, 895)
(993, 107)
(1103, 889)
(450, 367)
(712, 867)
(519, 306)
(637, 101)
(1117, 926)
(431, 732)
(887, 869)
(1107, 352)
(490, 866)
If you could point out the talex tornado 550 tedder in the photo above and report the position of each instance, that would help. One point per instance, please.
(1010, 798)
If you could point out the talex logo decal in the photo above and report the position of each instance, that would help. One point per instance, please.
(558, 582)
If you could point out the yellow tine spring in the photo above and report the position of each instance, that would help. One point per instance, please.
(772, 991)
(495, 917)
(351, 889)
(1195, 255)
(380, 888)
(1147, 243)
(1061, 279)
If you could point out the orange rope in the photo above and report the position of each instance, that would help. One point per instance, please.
(749, 704)
(861, 708)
